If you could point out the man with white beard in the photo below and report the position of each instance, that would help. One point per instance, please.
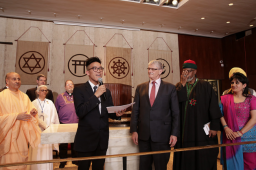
(67, 114)
(198, 106)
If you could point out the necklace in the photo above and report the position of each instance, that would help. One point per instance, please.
(42, 108)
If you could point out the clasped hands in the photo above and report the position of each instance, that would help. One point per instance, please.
(25, 117)
(230, 134)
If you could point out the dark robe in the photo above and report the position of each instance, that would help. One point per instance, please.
(204, 109)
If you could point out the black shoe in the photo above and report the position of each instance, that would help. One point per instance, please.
(75, 162)
(62, 165)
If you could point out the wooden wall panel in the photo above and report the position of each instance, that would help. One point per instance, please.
(207, 52)
(234, 52)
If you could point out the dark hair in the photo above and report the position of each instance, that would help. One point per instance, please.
(40, 75)
(243, 79)
(92, 60)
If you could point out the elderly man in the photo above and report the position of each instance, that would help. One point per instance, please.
(155, 118)
(198, 106)
(67, 114)
(238, 70)
(32, 94)
(18, 123)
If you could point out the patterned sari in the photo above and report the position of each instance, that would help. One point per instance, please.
(234, 154)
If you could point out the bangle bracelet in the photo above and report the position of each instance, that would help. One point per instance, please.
(225, 126)
(241, 132)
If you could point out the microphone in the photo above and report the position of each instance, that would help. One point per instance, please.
(101, 83)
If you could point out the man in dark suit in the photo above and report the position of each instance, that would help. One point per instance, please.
(91, 101)
(155, 118)
(3, 88)
(40, 80)
(6, 87)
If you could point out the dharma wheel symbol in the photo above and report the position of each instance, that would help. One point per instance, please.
(118, 67)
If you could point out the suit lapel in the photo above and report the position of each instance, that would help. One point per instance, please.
(159, 93)
(147, 93)
(89, 91)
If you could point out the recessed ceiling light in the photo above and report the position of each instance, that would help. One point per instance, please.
(1, 8)
(179, 27)
(230, 4)
(211, 31)
(203, 18)
(79, 16)
(143, 23)
(196, 29)
(54, 14)
(101, 18)
(174, 2)
(226, 33)
(228, 22)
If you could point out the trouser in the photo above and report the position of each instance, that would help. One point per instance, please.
(97, 164)
(160, 160)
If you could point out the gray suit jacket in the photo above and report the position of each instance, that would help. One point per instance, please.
(159, 121)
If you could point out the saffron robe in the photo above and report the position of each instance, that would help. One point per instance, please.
(16, 134)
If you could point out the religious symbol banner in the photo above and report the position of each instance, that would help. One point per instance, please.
(118, 65)
(75, 65)
(166, 58)
(31, 60)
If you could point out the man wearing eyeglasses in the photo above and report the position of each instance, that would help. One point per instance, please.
(198, 107)
(40, 80)
(67, 114)
(155, 118)
(93, 129)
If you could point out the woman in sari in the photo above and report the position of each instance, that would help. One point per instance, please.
(239, 123)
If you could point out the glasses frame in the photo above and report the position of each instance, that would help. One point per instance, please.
(44, 91)
(95, 69)
(153, 69)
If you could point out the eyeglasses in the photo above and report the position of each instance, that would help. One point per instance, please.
(188, 71)
(152, 69)
(95, 69)
(70, 84)
(43, 90)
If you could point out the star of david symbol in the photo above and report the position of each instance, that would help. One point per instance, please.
(119, 67)
(32, 57)
(31, 62)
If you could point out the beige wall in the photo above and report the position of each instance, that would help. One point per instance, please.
(11, 29)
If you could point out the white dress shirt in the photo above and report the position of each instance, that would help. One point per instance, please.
(157, 85)
(92, 85)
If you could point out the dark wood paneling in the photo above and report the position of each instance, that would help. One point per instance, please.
(121, 94)
(234, 52)
(206, 52)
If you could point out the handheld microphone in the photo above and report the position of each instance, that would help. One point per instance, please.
(101, 83)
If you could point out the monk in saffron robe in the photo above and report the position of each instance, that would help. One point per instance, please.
(18, 124)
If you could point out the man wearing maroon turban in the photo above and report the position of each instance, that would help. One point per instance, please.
(198, 107)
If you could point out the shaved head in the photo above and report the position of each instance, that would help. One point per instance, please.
(13, 81)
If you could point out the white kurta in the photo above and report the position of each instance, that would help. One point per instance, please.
(44, 151)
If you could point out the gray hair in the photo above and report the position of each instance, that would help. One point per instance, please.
(157, 63)
(39, 87)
